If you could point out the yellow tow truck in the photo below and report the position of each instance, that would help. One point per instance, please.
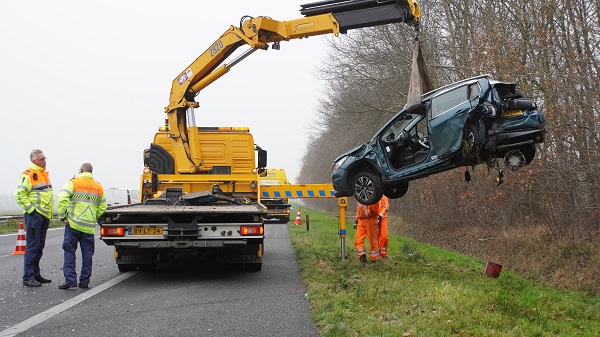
(200, 188)
(278, 206)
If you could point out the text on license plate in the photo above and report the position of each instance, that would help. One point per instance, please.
(510, 113)
(146, 231)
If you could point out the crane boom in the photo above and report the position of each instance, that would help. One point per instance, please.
(323, 17)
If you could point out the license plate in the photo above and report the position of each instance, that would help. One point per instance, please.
(511, 113)
(146, 231)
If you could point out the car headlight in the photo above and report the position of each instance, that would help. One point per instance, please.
(338, 163)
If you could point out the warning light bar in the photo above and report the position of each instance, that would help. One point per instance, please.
(223, 128)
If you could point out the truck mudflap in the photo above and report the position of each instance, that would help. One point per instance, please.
(148, 254)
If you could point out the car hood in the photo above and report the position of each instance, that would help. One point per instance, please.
(355, 152)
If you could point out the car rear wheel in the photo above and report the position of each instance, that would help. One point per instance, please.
(368, 188)
(529, 152)
(470, 151)
(397, 191)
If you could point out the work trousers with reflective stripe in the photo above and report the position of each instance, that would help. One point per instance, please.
(86, 241)
(367, 227)
(36, 227)
(382, 237)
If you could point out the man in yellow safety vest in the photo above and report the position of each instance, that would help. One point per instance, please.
(34, 194)
(80, 203)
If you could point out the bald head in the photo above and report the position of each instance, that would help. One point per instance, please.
(86, 167)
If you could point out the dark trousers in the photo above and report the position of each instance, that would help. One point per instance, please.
(36, 227)
(86, 241)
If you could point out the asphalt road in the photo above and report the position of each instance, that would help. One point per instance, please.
(182, 300)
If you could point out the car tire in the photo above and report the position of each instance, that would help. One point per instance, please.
(472, 134)
(471, 149)
(529, 152)
(397, 191)
(367, 187)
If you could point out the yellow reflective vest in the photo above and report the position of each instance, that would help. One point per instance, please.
(82, 201)
(34, 191)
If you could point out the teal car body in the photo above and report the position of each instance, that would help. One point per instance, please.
(473, 121)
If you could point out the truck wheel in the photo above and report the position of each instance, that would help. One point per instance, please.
(127, 267)
(252, 266)
(284, 219)
(147, 267)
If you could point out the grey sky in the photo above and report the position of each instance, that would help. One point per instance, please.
(87, 81)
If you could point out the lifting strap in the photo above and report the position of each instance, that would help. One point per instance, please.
(419, 76)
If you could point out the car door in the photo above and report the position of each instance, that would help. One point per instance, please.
(449, 111)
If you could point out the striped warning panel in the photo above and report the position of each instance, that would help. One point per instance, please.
(297, 191)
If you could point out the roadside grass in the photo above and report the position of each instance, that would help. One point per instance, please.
(422, 290)
(12, 225)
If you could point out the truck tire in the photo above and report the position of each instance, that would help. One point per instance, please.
(126, 267)
(284, 219)
(252, 266)
(147, 267)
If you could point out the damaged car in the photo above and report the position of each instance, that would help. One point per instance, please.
(466, 123)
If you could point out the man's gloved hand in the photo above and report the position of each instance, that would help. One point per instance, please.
(355, 223)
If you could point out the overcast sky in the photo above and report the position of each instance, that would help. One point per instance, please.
(87, 81)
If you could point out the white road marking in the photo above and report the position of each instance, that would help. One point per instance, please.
(39, 318)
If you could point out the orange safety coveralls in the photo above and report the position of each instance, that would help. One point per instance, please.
(382, 233)
(367, 227)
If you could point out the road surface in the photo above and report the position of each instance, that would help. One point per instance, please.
(180, 300)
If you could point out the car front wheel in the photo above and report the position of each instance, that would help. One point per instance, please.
(368, 188)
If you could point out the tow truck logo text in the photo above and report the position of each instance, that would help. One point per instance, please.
(216, 48)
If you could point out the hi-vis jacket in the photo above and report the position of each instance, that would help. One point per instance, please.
(384, 206)
(34, 191)
(82, 202)
(365, 212)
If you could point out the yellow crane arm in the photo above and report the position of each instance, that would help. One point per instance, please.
(322, 17)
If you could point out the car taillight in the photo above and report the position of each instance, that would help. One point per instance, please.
(252, 230)
(112, 231)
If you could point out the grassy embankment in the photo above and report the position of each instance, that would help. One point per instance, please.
(12, 226)
(422, 290)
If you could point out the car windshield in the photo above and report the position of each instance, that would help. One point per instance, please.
(403, 123)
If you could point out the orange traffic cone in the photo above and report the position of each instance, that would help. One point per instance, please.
(20, 249)
(298, 221)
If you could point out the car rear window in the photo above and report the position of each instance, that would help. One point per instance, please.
(448, 100)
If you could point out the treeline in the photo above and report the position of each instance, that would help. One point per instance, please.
(544, 221)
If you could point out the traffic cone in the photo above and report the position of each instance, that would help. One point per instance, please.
(20, 249)
(298, 221)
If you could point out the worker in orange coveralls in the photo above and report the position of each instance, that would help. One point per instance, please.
(382, 233)
(365, 223)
